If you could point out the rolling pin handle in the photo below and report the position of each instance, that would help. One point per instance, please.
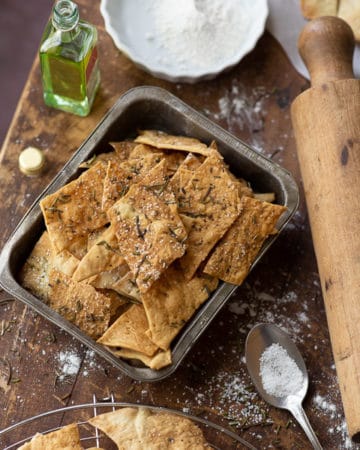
(326, 45)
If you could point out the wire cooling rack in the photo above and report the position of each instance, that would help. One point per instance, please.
(218, 436)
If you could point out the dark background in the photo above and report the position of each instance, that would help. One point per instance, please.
(21, 26)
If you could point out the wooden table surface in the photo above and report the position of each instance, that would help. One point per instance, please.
(252, 101)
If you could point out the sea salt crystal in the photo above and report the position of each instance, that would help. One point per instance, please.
(280, 374)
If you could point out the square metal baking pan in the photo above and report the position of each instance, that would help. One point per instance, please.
(149, 108)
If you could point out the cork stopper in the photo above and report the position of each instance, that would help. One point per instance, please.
(31, 161)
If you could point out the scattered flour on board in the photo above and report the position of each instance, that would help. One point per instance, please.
(69, 363)
(326, 407)
(243, 110)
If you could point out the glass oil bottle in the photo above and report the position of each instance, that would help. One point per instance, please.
(69, 60)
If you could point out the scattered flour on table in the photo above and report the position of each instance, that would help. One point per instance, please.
(326, 407)
(69, 363)
(197, 33)
(279, 373)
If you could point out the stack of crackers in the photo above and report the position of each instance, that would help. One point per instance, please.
(128, 428)
(140, 239)
(348, 10)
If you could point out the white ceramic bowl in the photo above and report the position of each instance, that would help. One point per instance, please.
(135, 30)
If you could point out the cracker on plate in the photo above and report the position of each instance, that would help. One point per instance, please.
(79, 303)
(66, 438)
(128, 331)
(139, 428)
(161, 140)
(74, 211)
(234, 254)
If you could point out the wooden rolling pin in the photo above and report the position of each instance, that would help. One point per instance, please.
(326, 123)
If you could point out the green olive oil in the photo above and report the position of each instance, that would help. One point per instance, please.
(69, 60)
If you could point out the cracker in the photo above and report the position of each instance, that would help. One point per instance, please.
(128, 331)
(66, 438)
(235, 253)
(118, 302)
(158, 361)
(104, 158)
(349, 10)
(79, 303)
(212, 201)
(65, 262)
(123, 149)
(149, 231)
(162, 140)
(34, 275)
(119, 177)
(189, 165)
(103, 256)
(171, 301)
(117, 281)
(140, 428)
(74, 211)
(316, 8)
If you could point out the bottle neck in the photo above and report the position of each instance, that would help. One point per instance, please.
(65, 15)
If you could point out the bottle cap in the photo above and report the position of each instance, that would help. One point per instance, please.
(31, 161)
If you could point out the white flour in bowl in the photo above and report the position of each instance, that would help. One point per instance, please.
(279, 373)
(199, 33)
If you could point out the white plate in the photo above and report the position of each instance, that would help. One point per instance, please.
(137, 28)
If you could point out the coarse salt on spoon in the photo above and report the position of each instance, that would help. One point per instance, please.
(279, 373)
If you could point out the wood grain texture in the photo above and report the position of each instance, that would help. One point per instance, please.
(327, 131)
(252, 101)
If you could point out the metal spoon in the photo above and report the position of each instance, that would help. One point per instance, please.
(259, 338)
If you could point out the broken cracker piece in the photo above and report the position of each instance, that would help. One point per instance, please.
(235, 253)
(79, 303)
(74, 211)
(128, 331)
(162, 140)
(150, 233)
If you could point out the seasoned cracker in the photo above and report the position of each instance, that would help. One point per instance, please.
(79, 303)
(171, 301)
(235, 253)
(123, 149)
(150, 232)
(104, 256)
(74, 211)
(189, 165)
(212, 201)
(158, 361)
(66, 438)
(34, 275)
(139, 428)
(119, 177)
(123, 284)
(162, 140)
(128, 331)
